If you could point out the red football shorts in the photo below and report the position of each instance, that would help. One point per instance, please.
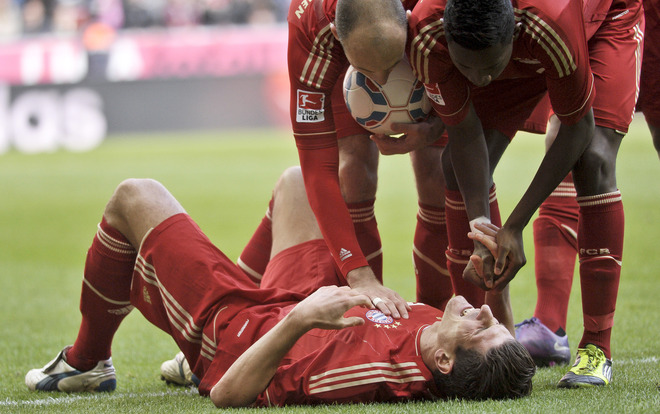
(649, 93)
(302, 268)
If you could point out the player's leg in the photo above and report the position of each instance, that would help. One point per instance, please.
(358, 179)
(649, 90)
(105, 297)
(615, 53)
(434, 285)
(460, 246)
(555, 247)
(256, 254)
(300, 260)
(293, 222)
(600, 249)
(655, 134)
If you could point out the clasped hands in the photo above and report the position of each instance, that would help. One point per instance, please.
(497, 257)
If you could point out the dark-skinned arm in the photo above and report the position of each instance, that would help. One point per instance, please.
(558, 161)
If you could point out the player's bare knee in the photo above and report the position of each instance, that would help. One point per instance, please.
(117, 207)
(291, 182)
(128, 194)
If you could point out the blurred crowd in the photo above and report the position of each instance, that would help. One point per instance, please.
(20, 18)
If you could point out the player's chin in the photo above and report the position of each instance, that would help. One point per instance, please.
(457, 303)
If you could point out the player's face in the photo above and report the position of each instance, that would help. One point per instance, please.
(469, 327)
(481, 67)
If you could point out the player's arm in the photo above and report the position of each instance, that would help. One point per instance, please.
(471, 165)
(415, 136)
(469, 157)
(250, 375)
(558, 161)
(321, 177)
(498, 300)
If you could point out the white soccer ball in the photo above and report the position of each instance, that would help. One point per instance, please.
(375, 107)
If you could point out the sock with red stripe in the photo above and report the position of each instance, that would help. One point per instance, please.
(366, 230)
(555, 252)
(600, 248)
(105, 297)
(255, 256)
(434, 286)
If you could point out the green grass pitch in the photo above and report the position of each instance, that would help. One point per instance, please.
(50, 205)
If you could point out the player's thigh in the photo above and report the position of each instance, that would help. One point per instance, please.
(649, 92)
(358, 168)
(358, 155)
(302, 268)
(293, 219)
(615, 56)
(429, 177)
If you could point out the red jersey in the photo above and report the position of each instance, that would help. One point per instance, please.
(551, 47)
(317, 64)
(379, 361)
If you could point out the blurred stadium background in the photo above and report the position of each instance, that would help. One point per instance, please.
(76, 71)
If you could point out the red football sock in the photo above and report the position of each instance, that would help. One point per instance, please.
(555, 247)
(255, 256)
(105, 297)
(434, 285)
(366, 230)
(600, 242)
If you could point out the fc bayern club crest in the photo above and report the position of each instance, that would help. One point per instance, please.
(377, 316)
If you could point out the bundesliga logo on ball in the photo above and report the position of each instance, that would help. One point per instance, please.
(375, 107)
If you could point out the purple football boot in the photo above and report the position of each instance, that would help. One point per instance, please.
(546, 348)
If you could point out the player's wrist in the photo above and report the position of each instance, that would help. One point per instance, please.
(297, 323)
(478, 220)
(360, 276)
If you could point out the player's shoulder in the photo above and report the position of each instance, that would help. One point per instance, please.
(553, 12)
(550, 26)
(425, 11)
(311, 14)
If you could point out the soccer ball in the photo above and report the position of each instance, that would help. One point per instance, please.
(402, 99)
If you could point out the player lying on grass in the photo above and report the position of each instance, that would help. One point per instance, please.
(273, 345)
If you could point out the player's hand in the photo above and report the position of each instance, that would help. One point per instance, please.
(510, 255)
(382, 298)
(505, 246)
(480, 269)
(326, 307)
(415, 136)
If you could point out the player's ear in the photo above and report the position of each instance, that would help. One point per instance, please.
(333, 29)
(443, 361)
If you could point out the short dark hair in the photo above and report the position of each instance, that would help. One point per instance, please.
(349, 13)
(479, 24)
(502, 372)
